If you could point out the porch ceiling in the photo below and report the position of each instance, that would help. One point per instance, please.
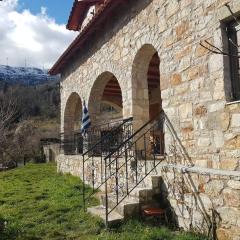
(112, 88)
(153, 72)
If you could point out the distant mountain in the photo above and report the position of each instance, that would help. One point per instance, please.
(24, 76)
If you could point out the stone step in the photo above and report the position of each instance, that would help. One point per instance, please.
(128, 207)
(131, 206)
(152, 182)
(143, 194)
(156, 181)
(100, 211)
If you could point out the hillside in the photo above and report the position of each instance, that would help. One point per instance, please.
(35, 97)
(34, 91)
(25, 76)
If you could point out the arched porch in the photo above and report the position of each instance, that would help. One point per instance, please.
(146, 97)
(72, 139)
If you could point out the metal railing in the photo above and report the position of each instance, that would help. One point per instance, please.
(93, 158)
(73, 143)
(128, 165)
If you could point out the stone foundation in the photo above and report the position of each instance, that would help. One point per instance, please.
(201, 196)
(197, 196)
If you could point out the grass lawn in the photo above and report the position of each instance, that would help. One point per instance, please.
(38, 203)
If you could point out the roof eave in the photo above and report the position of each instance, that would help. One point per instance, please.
(80, 39)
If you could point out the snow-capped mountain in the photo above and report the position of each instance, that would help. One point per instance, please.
(25, 76)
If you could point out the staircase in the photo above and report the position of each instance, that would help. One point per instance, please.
(98, 147)
(128, 174)
(131, 206)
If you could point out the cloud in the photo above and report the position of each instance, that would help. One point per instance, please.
(36, 39)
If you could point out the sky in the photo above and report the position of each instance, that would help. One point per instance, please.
(33, 32)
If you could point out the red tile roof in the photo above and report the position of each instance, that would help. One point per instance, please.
(79, 12)
(100, 16)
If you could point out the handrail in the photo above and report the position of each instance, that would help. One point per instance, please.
(107, 165)
(134, 134)
(130, 154)
(128, 147)
(108, 134)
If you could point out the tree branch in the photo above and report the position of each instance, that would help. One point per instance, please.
(232, 13)
(217, 50)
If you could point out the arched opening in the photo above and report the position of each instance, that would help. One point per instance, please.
(105, 110)
(147, 102)
(72, 125)
(105, 101)
(154, 93)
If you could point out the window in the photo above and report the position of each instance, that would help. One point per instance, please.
(233, 34)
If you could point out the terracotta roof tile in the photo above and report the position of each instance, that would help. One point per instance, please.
(100, 15)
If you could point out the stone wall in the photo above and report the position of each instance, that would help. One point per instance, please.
(51, 152)
(196, 196)
(200, 197)
(193, 80)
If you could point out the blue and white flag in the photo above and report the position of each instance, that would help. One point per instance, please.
(86, 122)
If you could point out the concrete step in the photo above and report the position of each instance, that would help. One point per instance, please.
(129, 207)
(100, 211)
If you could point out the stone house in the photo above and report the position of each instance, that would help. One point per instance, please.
(136, 60)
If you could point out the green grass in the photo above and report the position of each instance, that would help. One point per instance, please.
(37, 203)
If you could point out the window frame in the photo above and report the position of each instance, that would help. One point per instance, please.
(232, 28)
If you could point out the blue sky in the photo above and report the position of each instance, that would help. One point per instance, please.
(33, 32)
(58, 9)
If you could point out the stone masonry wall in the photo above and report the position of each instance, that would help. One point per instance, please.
(192, 79)
(200, 197)
(51, 152)
(196, 196)
(202, 129)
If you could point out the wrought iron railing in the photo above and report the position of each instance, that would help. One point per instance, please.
(93, 158)
(73, 143)
(128, 165)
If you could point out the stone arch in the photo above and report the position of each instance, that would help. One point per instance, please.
(145, 59)
(146, 95)
(106, 88)
(72, 114)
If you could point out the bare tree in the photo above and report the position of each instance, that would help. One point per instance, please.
(214, 49)
(26, 140)
(7, 115)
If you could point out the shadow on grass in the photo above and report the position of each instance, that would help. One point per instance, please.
(8, 231)
(144, 230)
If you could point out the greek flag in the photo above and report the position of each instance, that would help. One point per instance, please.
(86, 122)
